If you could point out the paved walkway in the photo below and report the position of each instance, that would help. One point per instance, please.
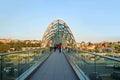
(56, 67)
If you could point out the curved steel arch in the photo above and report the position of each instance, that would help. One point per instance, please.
(58, 32)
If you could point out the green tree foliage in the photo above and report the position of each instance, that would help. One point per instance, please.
(4, 47)
(16, 45)
(117, 48)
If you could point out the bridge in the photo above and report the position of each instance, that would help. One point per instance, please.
(46, 63)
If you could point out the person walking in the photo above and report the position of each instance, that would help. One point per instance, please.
(59, 47)
(55, 47)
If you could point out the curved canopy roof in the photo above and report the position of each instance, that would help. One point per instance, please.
(58, 32)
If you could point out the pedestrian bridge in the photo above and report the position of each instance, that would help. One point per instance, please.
(56, 67)
(46, 64)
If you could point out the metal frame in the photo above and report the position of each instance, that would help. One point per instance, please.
(58, 32)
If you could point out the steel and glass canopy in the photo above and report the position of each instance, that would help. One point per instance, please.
(58, 32)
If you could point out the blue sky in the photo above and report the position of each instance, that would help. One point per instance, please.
(89, 20)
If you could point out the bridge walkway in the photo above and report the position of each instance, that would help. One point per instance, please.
(56, 67)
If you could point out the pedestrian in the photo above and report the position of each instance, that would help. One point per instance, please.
(59, 47)
(55, 47)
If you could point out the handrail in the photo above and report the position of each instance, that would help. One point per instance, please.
(98, 54)
(2, 54)
(108, 57)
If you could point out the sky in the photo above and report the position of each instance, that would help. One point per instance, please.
(89, 20)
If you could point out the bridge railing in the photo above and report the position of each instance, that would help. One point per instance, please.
(13, 64)
(93, 65)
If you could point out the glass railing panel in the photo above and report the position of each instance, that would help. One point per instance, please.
(44, 54)
(24, 60)
(107, 67)
(96, 66)
(9, 66)
(0, 67)
(13, 64)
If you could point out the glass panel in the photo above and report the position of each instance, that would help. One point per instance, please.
(10, 69)
(95, 66)
(12, 65)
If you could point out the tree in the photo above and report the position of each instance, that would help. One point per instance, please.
(4, 48)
